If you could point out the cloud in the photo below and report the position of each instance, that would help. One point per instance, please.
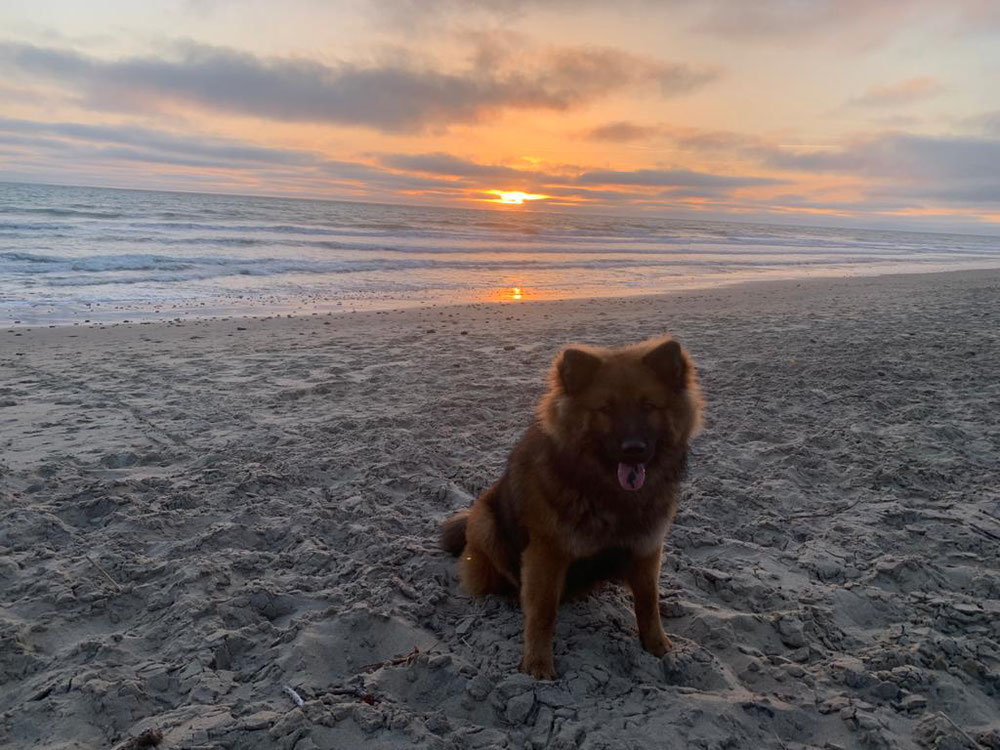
(798, 21)
(448, 164)
(987, 122)
(92, 152)
(688, 138)
(394, 96)
(605, 69)
(696, 194)
(570, 178)
(891, 170)
(901, 155)
(705, 139)
(894, 166)
(670, 178)
(900, 93)
(223, 149)
(623, 132)
(109, 145)
(960, 169)
(854, 23)
(982, 193)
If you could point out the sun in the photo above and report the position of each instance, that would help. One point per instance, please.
(514, 197)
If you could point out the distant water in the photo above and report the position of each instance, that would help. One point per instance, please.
(71, 254)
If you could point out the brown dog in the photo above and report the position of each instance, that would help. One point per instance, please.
(589, 491)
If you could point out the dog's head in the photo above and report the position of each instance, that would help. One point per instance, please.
(627, 408)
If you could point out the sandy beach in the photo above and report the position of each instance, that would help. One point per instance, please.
(225, 531)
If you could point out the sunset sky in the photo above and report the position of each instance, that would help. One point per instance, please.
(853, 112)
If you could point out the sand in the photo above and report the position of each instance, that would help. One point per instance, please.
(195, 517)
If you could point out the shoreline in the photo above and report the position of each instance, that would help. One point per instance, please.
(194, 516)
(293, 312)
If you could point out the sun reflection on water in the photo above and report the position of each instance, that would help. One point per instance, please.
(512, 293)
(517, 293)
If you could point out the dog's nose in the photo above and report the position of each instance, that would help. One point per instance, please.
(634, 448)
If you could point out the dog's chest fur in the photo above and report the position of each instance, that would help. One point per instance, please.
(593, 513)
(595, 523)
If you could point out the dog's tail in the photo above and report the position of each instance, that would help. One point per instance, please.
(453, 533)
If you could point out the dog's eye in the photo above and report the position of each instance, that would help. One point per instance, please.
(647, 406)
(606, 410)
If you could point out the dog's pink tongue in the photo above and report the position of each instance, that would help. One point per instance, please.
(630, 476)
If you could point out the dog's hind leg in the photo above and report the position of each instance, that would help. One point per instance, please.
(484, 566)
(478, 574)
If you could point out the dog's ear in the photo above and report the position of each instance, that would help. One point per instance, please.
(669, 362)
(576, 370)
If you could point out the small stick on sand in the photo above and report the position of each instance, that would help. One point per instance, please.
(407, 659)
(295, 697)
(984, 532)
(965, 735)
(97, 565)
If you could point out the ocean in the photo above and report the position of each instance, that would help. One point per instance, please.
(75, 254)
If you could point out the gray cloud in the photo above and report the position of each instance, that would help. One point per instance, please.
(900, 155)
(796, 20)
(913, 168)
(690, 138)
(673, 194)
(393, 96)
(222, 149)
(110, 145)
(980, 193)
(447, 164)
(623, 132)
(700, 139)
(906, 168)
(605, 69)
(670, 178)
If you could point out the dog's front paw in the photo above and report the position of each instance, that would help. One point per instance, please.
(657, 644)
(539, 667)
